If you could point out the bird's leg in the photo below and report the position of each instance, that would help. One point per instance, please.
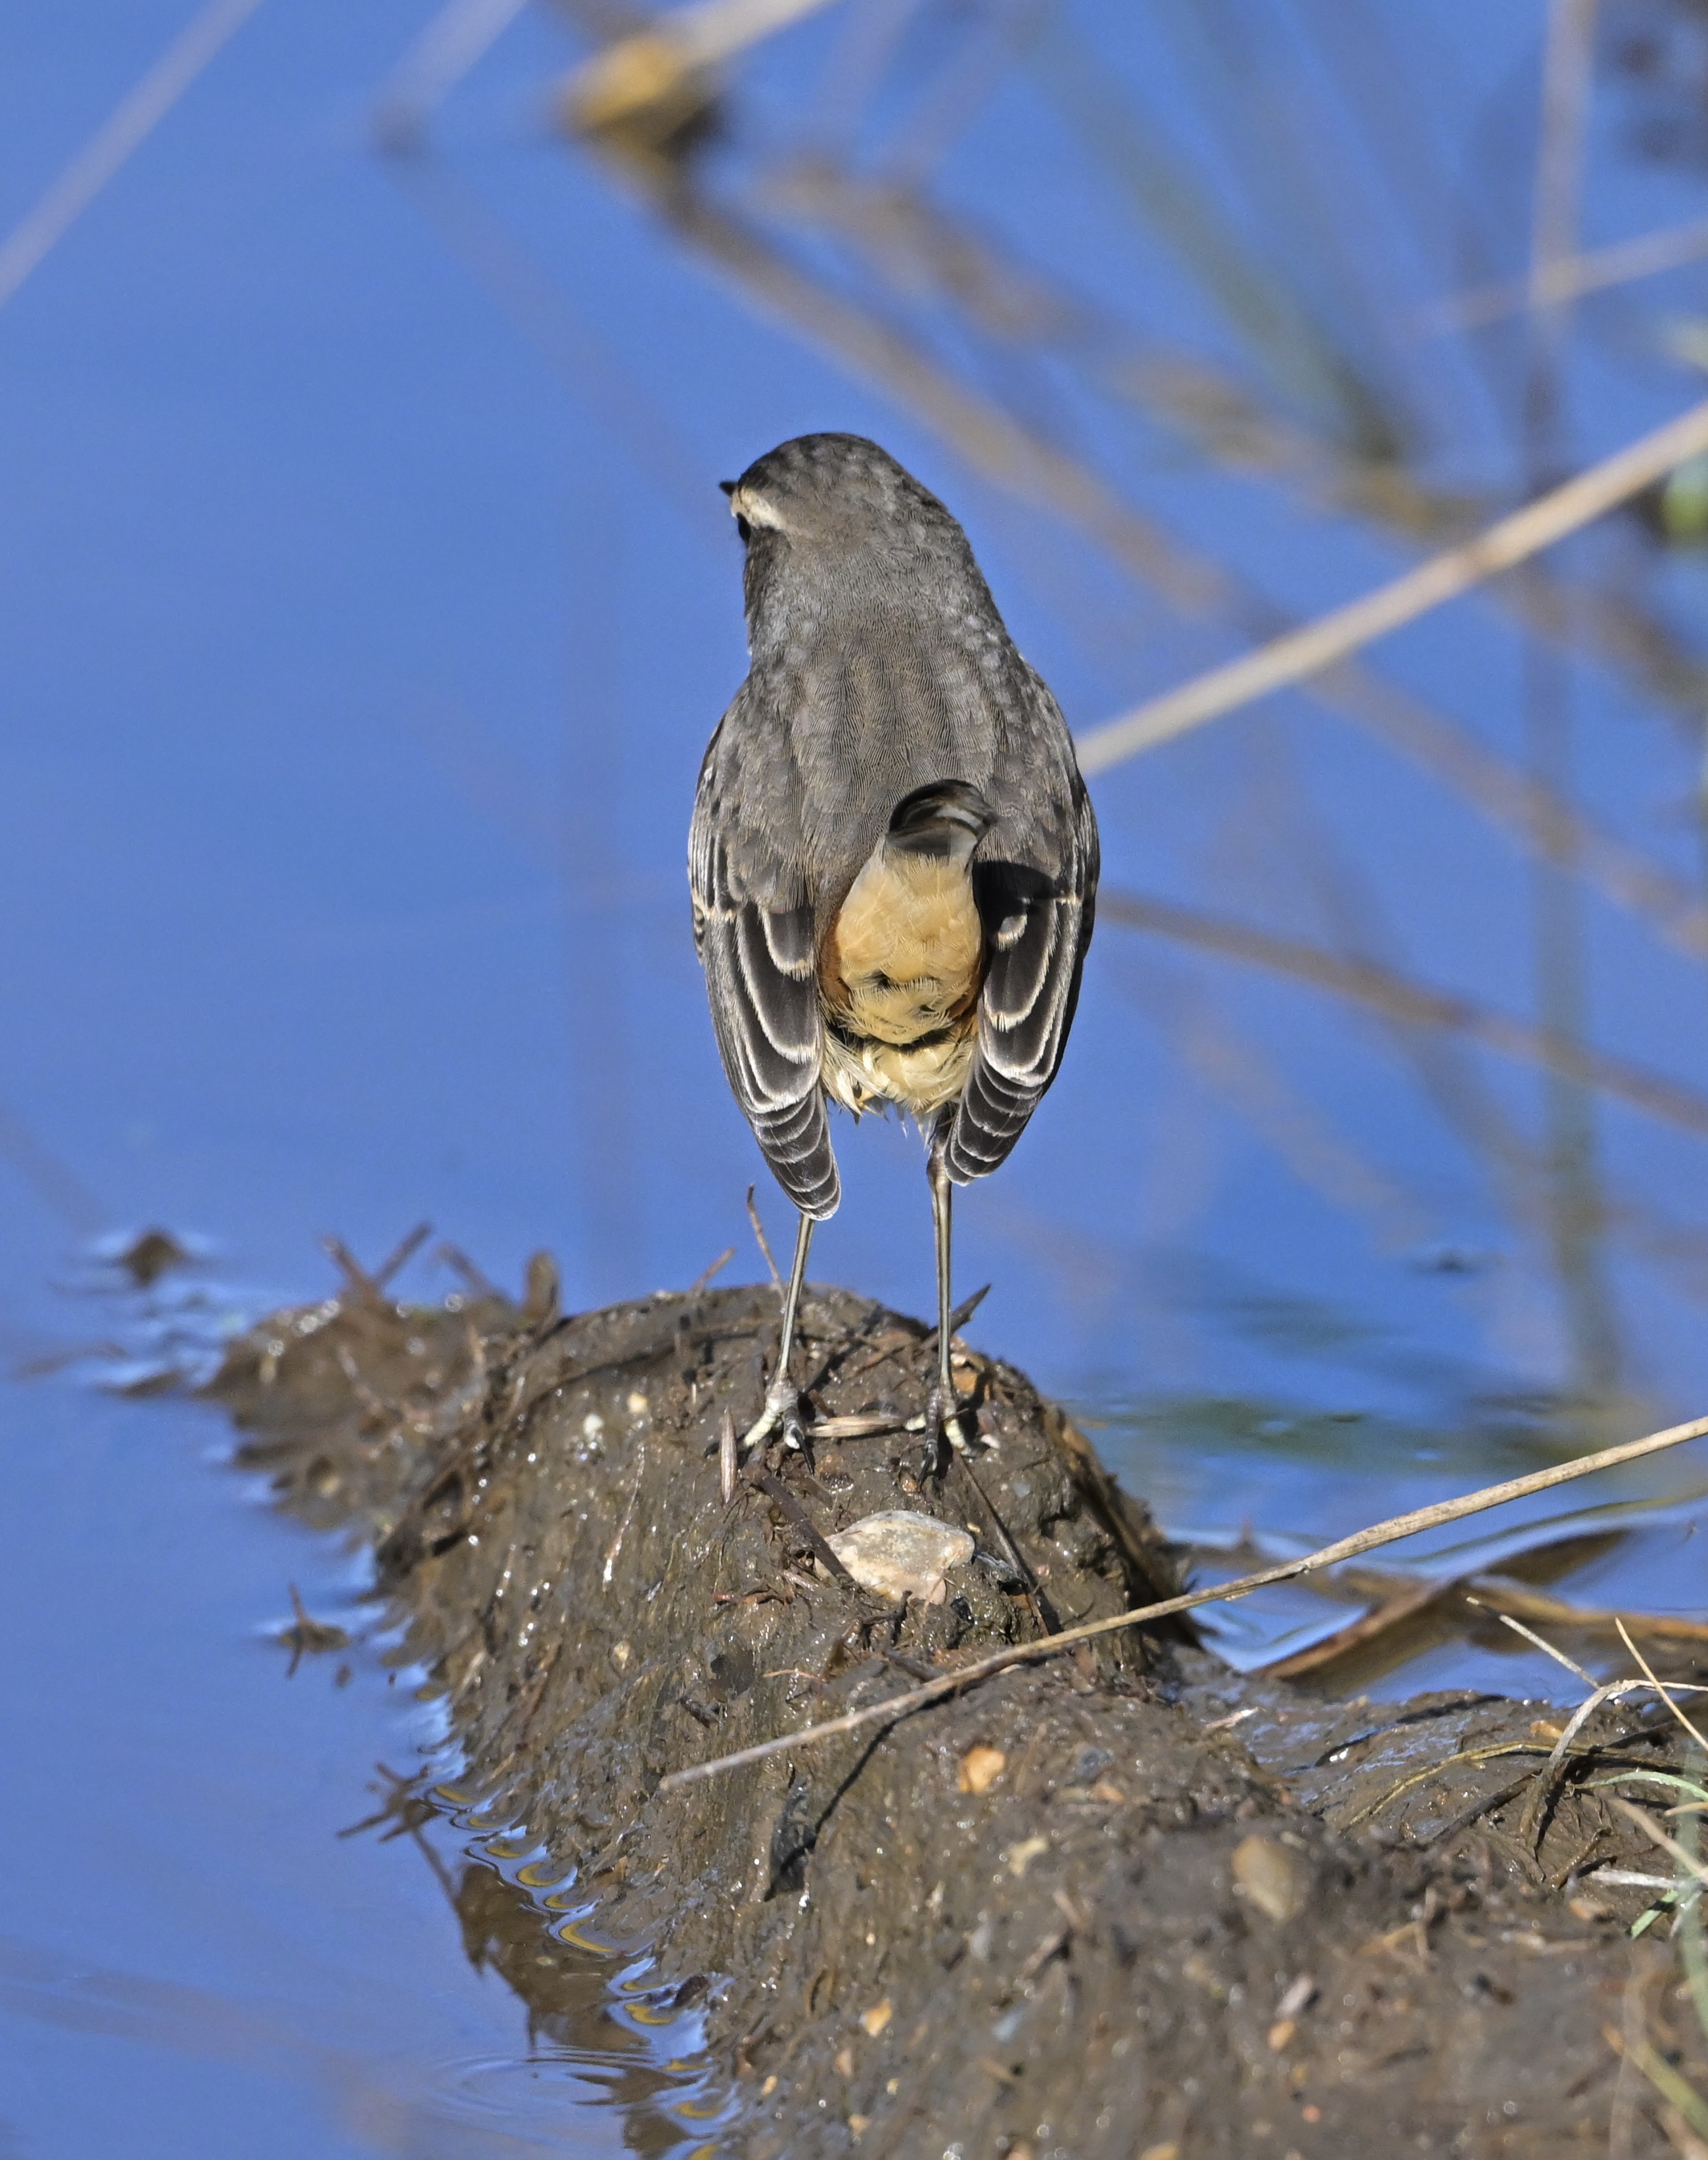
(783, 1402)
(941, 1417)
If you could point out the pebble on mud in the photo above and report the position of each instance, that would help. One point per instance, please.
(901, 1554)
(980, 1768)
(1270, 1878)
(877, 2017)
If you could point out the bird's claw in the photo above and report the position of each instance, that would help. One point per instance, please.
(943, 1422)
(781, 1412)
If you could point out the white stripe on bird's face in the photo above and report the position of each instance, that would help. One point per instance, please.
(749, 503)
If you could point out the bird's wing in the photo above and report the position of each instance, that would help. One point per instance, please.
(1039, 927)
(756, 942)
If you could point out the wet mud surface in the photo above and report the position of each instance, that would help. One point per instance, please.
(1119, 1903)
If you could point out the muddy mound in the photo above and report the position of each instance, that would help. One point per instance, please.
(1070, 1911)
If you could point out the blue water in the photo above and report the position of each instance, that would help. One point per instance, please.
(360, 640)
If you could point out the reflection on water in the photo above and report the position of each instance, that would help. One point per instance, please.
(222, 1930)
(1241, 1485)
(602, 2028)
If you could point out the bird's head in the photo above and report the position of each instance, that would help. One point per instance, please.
(828, 516)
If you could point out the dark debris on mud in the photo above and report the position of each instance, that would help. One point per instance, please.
(1118, 1904)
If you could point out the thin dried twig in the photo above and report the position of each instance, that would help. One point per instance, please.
(1660, 1688)
(351, 1269)
(768, 1483)
(1548, 1778)
(406, 1248)
(1332, 637)
(130, 124)
(453, 41)
(706, 1274)
(1497, 1752)
(1569, 277)
(1531, 1635)
(1651, 1829)
(1344, 1548)
(474, 1280)
(699, 36)
(958, 1319)
(1542, 1792)
(764, 1242)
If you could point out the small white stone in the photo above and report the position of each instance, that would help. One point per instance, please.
(900, 1555)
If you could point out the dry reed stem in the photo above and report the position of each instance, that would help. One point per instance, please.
(1660, 1686)
(1646, 255)
(1548, 1777)
(1393, 995)
(764, 1242)
(125, 128)
(454, 41)
(1541, 1642)
(713, 1268)
(1651, 1829)
(1568, 62)
(1335, 637)
(1390, 1532)
(700, 36)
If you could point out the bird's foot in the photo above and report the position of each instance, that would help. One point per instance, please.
(942, 1423)
(781, 1413)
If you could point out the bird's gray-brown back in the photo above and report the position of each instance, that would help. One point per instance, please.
(880, 666)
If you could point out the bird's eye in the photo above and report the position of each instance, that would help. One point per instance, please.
(743, 528)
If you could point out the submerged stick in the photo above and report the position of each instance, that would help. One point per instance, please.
(1362, 1541)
